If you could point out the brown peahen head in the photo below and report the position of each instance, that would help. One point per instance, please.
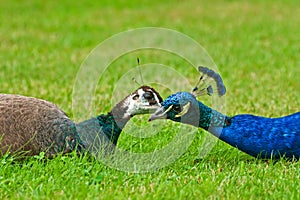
(144, 100)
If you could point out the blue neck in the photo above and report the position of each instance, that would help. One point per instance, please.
(211, 120)
(255, 135)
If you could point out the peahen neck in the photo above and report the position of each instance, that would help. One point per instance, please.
(212, 120)
(113, 122)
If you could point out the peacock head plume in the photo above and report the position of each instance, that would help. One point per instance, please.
(183, 106)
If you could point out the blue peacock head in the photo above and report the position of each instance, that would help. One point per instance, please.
(180, 107)
(183, 106)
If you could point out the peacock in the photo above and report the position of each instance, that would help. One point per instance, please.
(30, 125)
(257, 136)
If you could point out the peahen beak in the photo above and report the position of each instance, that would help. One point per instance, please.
(160, 113)
(150, 108)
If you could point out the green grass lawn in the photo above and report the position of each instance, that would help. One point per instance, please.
(255, 45)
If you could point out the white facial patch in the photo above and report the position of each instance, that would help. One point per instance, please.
(136, 105)
(156, 98)
(140, 93)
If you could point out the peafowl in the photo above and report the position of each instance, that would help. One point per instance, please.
(33, 125)
(255, 135)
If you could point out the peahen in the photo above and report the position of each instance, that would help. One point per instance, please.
(257, 136)
(33, 125)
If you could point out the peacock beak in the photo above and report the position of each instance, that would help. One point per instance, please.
(160, 113)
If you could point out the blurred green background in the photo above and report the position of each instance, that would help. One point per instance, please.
(255, 45)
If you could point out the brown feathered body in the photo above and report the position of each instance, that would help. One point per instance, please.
(33, 125)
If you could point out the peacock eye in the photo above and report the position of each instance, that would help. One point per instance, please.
(135, 97)
(177, 108)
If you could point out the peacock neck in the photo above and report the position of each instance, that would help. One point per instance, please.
(212, 120)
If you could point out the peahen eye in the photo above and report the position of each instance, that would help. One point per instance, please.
(177, 108)
(148, 95)
(135, 97)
